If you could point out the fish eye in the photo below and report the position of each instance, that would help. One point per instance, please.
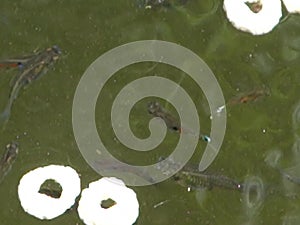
(175, 128)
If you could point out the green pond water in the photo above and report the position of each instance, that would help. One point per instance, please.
(41, 117)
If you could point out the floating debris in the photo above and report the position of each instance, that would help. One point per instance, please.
(160, 203)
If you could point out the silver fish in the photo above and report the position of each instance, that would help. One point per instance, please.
(200, 180)
(189, 176)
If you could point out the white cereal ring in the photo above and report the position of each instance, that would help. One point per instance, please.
(241, 16)
(293, 6)
(43, 206)
(125, 210)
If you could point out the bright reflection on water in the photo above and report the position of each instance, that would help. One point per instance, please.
(273, 157)
(253, 197)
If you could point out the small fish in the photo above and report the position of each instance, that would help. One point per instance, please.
(35, 67)
(7, 160)
(155, 109)
(200, 180)
(190, 177)
(250, 96)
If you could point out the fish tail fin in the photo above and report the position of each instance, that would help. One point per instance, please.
(6, 113)
(4, 116)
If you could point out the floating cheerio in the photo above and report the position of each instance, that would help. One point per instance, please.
(258, 17)
(41, 204)
(108, 202)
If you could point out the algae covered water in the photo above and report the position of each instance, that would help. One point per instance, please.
(262, 141)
